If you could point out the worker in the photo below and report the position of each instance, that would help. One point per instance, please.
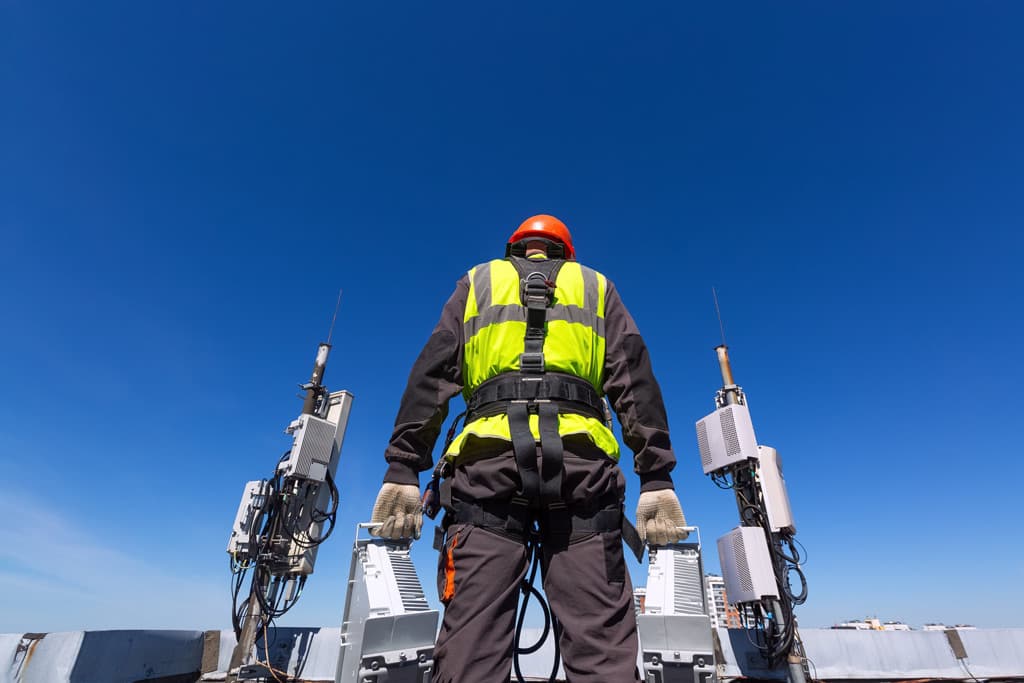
(534, 341)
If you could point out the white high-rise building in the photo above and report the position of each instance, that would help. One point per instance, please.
(723, 615)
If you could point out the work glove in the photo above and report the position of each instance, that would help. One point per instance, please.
(659, 516)
(398, 512)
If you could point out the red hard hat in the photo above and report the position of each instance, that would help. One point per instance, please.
(543, 226)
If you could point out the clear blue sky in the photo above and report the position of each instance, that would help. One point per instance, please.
(184, 187)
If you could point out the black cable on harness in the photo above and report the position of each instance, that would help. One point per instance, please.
(551, 625)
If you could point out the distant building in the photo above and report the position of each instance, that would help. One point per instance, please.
(872, 624)
(639, 599)
(895, 626)
(723, 614)
(859, 625)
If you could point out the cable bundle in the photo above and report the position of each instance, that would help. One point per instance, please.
(776, 633)
(287, 524)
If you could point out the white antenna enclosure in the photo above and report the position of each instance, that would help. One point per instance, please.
(726, 437)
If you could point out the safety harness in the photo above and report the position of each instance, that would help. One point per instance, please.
(533, 390)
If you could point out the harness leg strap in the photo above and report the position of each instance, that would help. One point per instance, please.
(551, 456)
(525, 449)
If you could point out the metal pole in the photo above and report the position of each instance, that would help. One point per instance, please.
(723, 363)
(794, 662)
(749, 489)
(246, 641)
(796, 668)
(730, 392)
(313, 388)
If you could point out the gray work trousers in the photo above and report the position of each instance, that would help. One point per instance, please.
(585, 579)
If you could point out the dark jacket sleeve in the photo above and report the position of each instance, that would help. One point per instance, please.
(435, 378)
(636, 397)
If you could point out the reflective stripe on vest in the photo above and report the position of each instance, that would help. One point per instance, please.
(495, 324)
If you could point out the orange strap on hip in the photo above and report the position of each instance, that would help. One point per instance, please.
(449, 571)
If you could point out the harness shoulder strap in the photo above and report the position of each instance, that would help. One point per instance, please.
(537, 293)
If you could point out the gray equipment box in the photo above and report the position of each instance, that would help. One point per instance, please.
(773, 486)
(388, 630)
(726, 437)
(675, 631)
(746, 565)
(253, 499)
(312, 447)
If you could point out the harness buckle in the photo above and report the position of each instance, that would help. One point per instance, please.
(537, 290)
(531, 362)
(532, 404)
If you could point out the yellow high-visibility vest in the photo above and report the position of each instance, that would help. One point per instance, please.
(494, 327)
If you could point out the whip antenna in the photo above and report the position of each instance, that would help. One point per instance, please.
(718, 312)
(335, 318)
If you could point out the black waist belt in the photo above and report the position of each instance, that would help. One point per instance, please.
(569, 393)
